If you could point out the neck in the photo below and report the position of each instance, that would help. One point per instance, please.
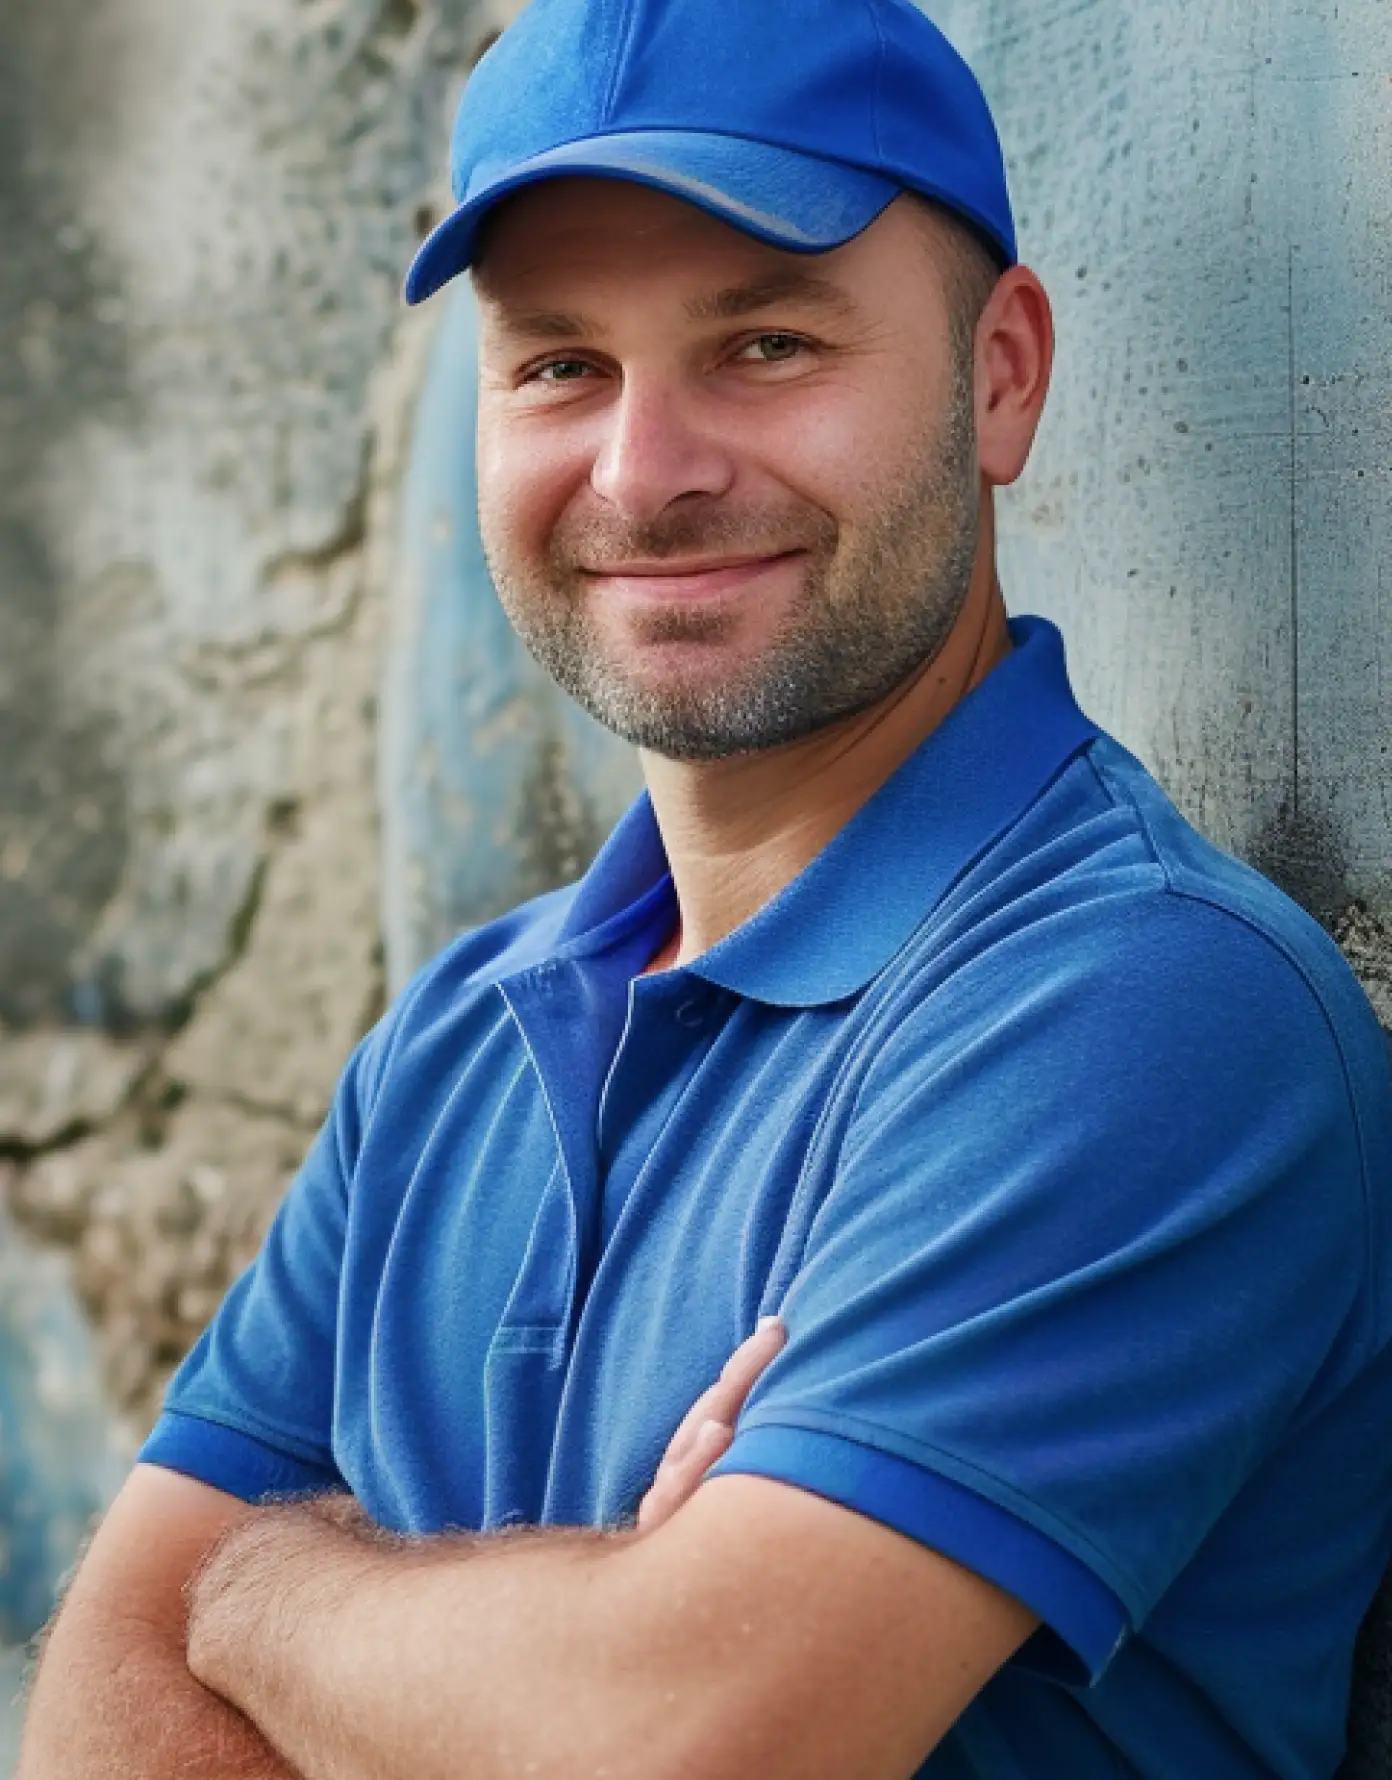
(737, 832)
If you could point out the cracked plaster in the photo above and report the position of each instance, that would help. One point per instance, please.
(208, 211)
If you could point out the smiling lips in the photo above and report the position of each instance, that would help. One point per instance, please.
(667, 582)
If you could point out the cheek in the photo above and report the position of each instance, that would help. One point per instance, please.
(525, 481)
(833, 447)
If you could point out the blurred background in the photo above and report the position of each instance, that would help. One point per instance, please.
(265, 739)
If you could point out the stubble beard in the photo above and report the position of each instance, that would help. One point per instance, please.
(877, 605)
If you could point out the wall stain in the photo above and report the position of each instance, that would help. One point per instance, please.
(1302, 852)
(63, 363)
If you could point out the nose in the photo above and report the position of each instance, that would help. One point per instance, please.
(656, 450)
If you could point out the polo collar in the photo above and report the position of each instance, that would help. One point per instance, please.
(830, 932)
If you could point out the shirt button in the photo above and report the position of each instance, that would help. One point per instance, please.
(691, 1014)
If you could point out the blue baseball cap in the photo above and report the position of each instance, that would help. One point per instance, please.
(798, 121)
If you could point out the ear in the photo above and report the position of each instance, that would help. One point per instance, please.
(1014, 362)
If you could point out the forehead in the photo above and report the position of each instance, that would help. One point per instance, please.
(551, 245)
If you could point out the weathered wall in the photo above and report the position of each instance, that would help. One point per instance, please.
(205, 377)
(206, 416)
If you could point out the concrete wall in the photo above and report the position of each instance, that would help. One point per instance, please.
(1207, 192)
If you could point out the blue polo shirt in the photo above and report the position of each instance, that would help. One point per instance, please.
(1062, 1142)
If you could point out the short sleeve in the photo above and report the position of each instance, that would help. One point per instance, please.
(250, 1411)
(1094, 1232)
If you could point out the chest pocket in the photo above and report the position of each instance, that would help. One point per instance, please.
(523, 1378)
(525, 1368)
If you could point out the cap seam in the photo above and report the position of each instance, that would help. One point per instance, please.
(881, 53)
(620, 61)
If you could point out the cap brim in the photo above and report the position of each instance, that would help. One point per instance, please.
(795, 201)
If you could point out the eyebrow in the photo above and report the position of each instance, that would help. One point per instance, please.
(808, 290)
(805, 290)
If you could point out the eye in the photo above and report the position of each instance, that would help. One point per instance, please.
(775, 349)
(559, 370)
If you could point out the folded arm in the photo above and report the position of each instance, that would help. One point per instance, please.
(114, 1698)
(760, 1630)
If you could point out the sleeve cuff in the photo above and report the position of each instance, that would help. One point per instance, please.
(1084, 1624)
(231, 1461)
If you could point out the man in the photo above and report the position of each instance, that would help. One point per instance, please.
(903, 1006)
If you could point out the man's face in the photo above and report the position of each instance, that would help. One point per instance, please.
(728, 494)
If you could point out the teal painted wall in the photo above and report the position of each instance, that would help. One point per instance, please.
(494, 787)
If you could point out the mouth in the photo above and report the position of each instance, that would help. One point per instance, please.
(668, 582)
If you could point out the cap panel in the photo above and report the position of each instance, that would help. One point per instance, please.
(544, 81)
(851, 89)
(935, 127)
(801, 77)
(629, 26)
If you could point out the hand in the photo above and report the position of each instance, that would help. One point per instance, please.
(708, 1428)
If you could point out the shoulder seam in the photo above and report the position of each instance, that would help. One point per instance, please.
(1192, 892)
(1119, 801)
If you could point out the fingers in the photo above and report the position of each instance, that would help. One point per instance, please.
(743, 1370)
(678, 1480)
(725, 1398)
(708, 1429)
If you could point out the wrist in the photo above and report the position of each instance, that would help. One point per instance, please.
(270, 1584)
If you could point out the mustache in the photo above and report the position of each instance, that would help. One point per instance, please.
(596, 539)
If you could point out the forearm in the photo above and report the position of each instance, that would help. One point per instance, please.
(364, 1661)
(116, 1701)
